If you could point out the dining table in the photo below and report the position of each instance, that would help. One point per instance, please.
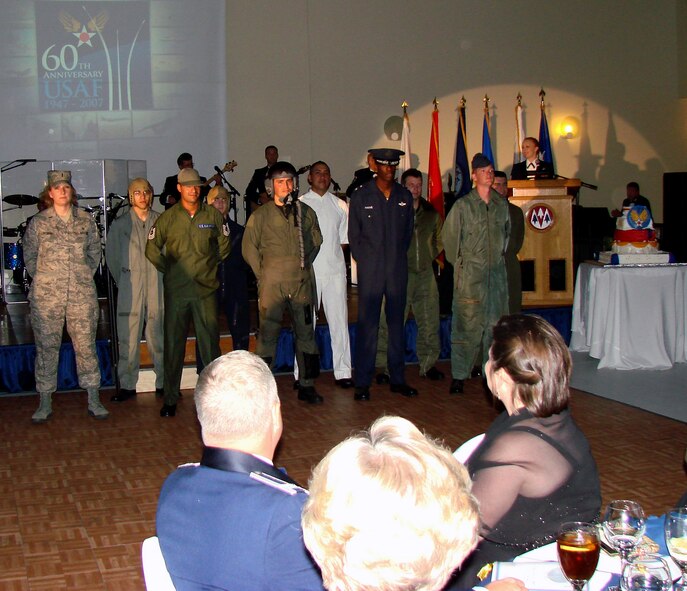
(631, 316)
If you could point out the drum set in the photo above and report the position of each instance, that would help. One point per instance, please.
(17, 280)
(12, 252)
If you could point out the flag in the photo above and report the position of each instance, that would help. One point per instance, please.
(545, 153)
(519, 133)
(463, 183)
(435, 192)
(486, 140)
(404, 164)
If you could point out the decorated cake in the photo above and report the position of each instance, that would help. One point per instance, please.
(634, 240)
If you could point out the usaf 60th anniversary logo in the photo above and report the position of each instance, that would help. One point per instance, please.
(95, 56)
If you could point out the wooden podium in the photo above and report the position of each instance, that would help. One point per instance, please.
(546, 257)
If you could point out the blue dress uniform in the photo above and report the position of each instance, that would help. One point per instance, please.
(379, 234)
(234, 522)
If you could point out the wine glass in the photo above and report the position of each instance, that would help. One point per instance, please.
(649, 572)
(578, 552)
(676, 541)
(624, 524)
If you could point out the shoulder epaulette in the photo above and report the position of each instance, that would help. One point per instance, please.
(269, 480)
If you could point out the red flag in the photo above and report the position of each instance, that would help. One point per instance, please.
(435, 191)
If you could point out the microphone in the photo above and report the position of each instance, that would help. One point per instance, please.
(218, 170)
(303, 169)
(25, 160)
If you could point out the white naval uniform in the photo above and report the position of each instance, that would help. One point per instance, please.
(330, 276)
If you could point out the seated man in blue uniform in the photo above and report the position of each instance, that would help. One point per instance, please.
(233, 521)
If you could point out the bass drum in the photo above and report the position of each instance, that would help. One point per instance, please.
(14, 256)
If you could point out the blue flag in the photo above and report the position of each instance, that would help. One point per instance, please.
(463, 183)
(486, 140)
(545, 153)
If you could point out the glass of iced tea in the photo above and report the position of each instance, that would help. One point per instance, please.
(578, 552)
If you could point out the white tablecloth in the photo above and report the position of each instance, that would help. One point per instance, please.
(631, 317)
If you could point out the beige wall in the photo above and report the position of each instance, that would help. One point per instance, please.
(320, 78)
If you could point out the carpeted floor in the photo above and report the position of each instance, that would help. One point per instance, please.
(661, 392)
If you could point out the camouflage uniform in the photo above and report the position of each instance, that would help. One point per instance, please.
(61, 257)
(139, 299)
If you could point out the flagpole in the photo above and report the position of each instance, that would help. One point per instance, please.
(545, 149)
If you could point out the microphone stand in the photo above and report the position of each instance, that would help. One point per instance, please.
(582, 184)
(233, 193)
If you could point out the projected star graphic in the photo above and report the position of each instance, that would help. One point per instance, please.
(84, 36)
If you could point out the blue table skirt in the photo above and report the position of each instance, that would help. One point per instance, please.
(17, 362)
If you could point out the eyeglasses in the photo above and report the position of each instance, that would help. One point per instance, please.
(147, 193)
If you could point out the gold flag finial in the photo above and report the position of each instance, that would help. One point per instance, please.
(405, 106)
(462, 102)
(519, 97)
(436, 104)
(542, 94)
(486, 100)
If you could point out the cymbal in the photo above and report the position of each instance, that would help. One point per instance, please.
(20, 199)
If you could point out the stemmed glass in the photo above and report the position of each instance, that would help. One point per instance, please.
(578, 552)
(647, 573)
(676, 541)
(624, 524)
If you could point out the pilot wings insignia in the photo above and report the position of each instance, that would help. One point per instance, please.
(83, 32)
(638, 217)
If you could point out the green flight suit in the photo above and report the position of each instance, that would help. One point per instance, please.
(475, 236)
(187, 250)
(422, 295)
(271, 246)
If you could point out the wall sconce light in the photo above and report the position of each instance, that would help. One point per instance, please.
(570, 128)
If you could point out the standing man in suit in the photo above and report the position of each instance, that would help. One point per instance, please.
(515, 240)
(532, 166)
(170, 194)
(380, 228)
(233, 521)
(256, 194)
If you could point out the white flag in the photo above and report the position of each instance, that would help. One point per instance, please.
(519, 135)
(404, 164)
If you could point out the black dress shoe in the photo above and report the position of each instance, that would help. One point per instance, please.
(404, 390)
(159, 393)
(168, 410)
(296, 384)
(310, 395)
(344, 383)
(382, 378)
(456, 386)
(433, 374)
(361, 393)
(122, 395)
